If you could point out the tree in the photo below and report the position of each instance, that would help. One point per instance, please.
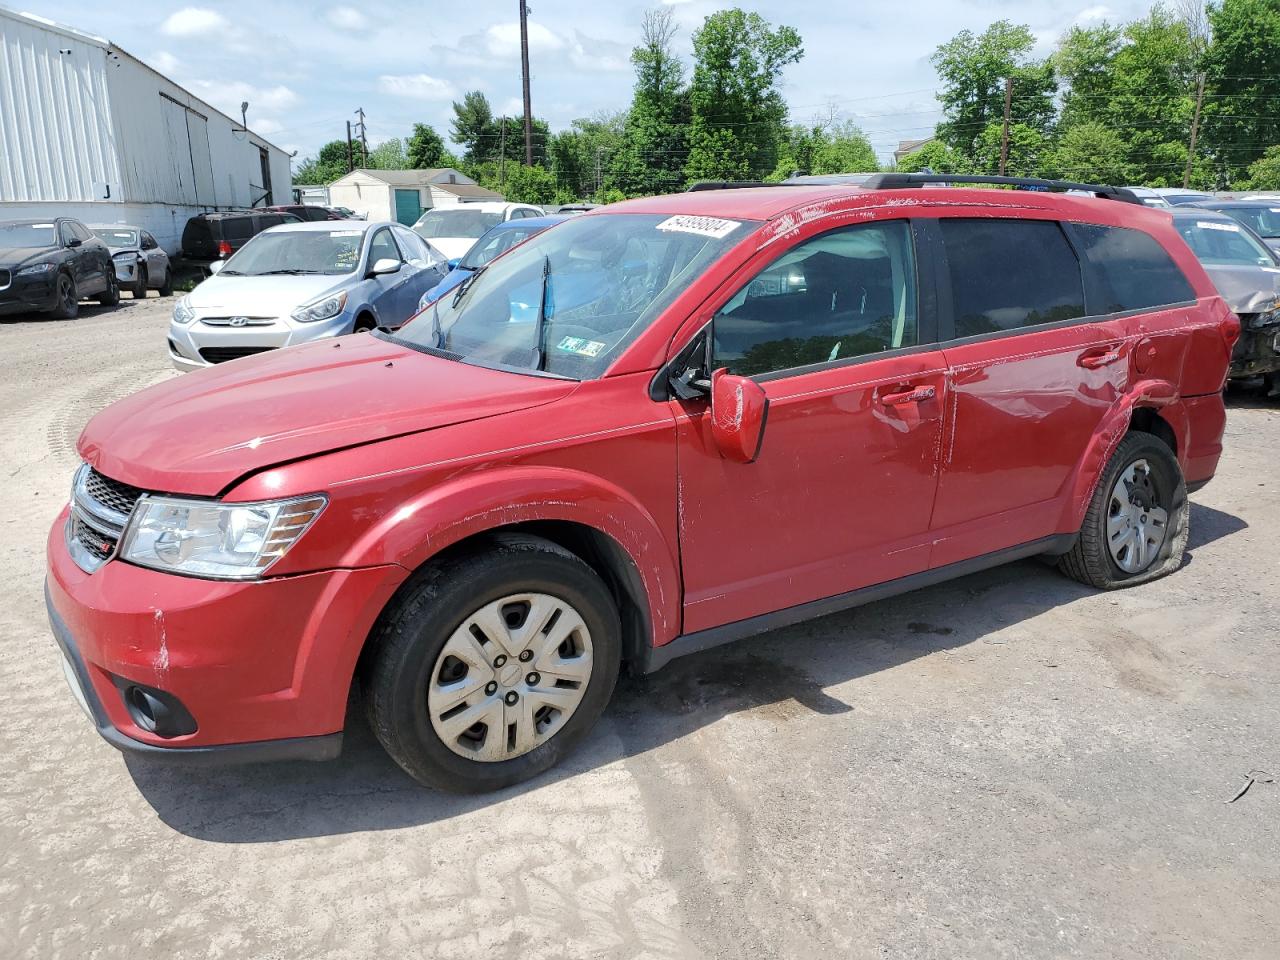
(530, 184)
(973, 70)
(328, 165)
(582, 152)
(473, 122)
(935, 157)
(1090, 152)
(426, 148)
(389, 155)
(738, 116)
(651, 155)
(830, 147)
(1241, 64)
(1026, 155)
(1264, 173)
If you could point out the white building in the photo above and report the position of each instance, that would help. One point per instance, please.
(403, 194)
(88, 131)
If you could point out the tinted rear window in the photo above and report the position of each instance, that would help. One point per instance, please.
(1131, 269)
(236, 228)
(1007, 274)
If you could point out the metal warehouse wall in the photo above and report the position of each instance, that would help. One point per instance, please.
(55, 126)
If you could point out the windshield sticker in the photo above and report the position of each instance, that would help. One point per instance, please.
(43, 226)
(345, 233)
(1210, 225)
(712, 227)
(583, 348)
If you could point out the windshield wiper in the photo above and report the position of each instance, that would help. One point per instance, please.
(230, 273)
(540, 322)
(465, 285)
(437, 335)
(293, 272)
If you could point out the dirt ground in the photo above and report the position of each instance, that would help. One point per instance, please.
(1010, 765)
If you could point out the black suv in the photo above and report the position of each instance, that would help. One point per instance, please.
(216, 236)
(47, 266)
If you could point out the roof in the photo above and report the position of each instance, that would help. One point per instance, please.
(400, 178)
(1193, 211)
(328, 226)
(467, 190)
(1223, 204)
(542, 223)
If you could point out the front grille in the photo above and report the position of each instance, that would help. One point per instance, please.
(96, 545)
(223, 354)
(112, 494)
(244, 321)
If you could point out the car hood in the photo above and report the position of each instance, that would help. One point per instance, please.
(275, 296)
(199, 433)
(453, 248)
(1246, 289)
(15, 256)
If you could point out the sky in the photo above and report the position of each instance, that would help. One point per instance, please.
(306, 67)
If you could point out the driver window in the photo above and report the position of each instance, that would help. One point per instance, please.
(383, 247)
(847, 293)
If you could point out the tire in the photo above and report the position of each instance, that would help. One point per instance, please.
(67, 298)
(409, 674)
(1122, 544)
(139, 289)
(364, 322)
(111, 296)
(166, 288)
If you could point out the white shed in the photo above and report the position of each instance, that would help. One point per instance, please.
(88, 131)
(403, 194)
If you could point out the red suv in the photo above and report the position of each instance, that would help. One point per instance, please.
(664, 425)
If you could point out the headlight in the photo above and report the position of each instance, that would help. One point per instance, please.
(206, 538)
(126, 257)
(321, 309)
(35, 269)
(182, 312)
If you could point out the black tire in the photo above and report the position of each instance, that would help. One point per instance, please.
(67, 298)
(1090, 561)
(166, 288)
(364, 322)
(411, 633)
(110, 296)
(139, 288)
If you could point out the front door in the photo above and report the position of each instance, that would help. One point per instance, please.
(841, 492)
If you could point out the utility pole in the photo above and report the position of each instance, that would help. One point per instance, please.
(599, 150)
(502, 154)
(1195, 130)
(350, 162)
(364, 140)
(1004, 136)
(524, 71)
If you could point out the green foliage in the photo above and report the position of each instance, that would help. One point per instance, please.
(579, 153)
(737, 114)
(328, 165)
(1242, 64)
(1090, 152)
(973, 69)
(473, 121)
(389, 155)
(425, 148)
(836, 147)
(1264, 173)
(936, 157)
(530, 184)
(649, 156)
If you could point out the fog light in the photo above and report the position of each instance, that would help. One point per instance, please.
(155, 711)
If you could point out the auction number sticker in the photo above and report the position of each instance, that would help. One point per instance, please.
(583, 348)
(712, 227)
(1224, 227)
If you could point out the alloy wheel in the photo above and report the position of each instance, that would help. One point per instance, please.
(509, 677)
(1137, 522)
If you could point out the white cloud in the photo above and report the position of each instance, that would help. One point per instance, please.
(1092, 14)
(347, 18)
(266, 126)
(193, 21)
(589, 53)
(227, 97)
(165, 62)
(503, 40)
(419, 86)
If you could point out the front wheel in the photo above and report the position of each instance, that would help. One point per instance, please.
(66, 300)
(1136, 526)
(110, 296)
(489, 670)
(139, 289)
(166, 288)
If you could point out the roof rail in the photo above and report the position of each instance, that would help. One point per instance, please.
(898, 181)
(729, 185)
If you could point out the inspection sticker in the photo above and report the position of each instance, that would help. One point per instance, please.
(712, 227)
(584, 348)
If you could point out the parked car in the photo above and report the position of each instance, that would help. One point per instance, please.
(1150, 197)
(493, 244)
(573, 209)
(453, 229)
(306, 212)
(776, 403)
(209, 237)
(49, 266)
(1247, 274)
(140, 263)
(346, 213)
(1260, 216)
(302, 282)
(1176, 196)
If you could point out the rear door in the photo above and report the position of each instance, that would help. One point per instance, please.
(838, 335)
(1031, 377)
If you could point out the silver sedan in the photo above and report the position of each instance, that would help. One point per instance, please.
(140, 263)
(300, 282)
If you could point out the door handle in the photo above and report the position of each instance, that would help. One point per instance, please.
(910, 395)
(1098, 357)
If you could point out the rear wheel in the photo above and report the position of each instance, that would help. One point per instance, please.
(1135, 529)
(166, 288)
(66, 299)
(490, 670)
(139, 288)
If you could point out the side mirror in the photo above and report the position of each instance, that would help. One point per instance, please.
(453, 264)
(216, 266)
(739, 409)
(74, 242)
(384, 266)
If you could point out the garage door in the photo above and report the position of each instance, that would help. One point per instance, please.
(408, 207)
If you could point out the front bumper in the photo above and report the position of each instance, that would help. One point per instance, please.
(28, 295)
(126, 271)
(263, 667)
(196, 344)
(1257, 352)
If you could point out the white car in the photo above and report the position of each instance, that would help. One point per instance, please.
(300, 282)
(453, 229)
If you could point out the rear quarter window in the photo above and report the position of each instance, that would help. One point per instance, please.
(1129, 270)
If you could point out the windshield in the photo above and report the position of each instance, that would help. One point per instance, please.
(297, 251)
(602, 279)
(458, 222)
(1224, 244)
(493, 243)
(27, 235)
(1264, 221)
(117, 238)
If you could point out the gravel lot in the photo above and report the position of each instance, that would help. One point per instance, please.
(1010, 765)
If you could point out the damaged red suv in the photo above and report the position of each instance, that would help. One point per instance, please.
(660, 426)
